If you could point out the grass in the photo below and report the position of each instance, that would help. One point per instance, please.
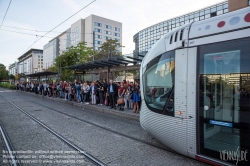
(7, 85)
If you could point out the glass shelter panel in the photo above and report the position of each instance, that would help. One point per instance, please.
(224, 100)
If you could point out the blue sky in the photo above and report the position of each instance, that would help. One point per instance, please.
(43, 15)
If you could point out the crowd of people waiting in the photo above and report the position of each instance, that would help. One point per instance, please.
(125, 94)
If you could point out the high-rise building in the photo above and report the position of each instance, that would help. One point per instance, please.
(30, 62)
(147, 37)
(82, 31)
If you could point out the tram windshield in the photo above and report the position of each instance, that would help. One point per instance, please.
(158, 80)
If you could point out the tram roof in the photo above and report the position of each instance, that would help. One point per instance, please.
(45, 73)
(107, 62)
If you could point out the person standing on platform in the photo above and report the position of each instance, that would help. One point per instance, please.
(112, 91)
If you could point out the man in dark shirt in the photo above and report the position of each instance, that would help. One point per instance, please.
(112, 91)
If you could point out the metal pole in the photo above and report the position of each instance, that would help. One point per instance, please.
(93, 45)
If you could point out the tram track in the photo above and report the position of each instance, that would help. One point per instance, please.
(105, 128)
(12, 158)
(108, 129)
(70, 144)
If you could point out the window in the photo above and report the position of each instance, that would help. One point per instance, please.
(117, 29)
(98, 42)
(176, 35)
(98, 36)
(107, 38)
(108, 26)
(223, 97)
(98, 24)
(41, 60)
(213, 14)
(108, 32)
(118, 40)
(207, 16)
(219, 12)
(158, 80)
(181, 34)
(97, 30)
(97, 48)
(117, 34)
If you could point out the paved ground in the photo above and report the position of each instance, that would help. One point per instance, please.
(110, 145)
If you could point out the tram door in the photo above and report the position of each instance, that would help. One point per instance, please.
(224, 101)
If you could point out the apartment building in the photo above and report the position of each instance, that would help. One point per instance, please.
(30, 62)
(13, 68)
(82, 31)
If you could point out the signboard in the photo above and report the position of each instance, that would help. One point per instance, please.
(226, 124)
(79, 72)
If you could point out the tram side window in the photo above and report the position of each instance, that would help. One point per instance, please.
(170, 42)
(181, 34)
(176, 35)
(158, 80)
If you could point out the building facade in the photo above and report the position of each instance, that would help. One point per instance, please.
(13, 68)
(82, 31)
(50, 52)
(147, 37)
(104, 29)
(30, 62)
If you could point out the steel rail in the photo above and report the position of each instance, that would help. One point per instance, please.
(88, 156)
(8, 146)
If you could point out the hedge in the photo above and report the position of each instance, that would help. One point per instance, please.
(9, 86)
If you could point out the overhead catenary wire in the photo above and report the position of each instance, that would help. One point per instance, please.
(61, 23)
(40, 30)
(5, 13)
(35, 35)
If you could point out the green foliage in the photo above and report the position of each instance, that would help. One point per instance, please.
(72, 56)
(7, 85)
(11, 76)
(108, 49)
(3, 72)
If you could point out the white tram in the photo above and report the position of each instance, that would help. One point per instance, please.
(195, 89)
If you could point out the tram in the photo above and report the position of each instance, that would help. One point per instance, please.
(195, 87)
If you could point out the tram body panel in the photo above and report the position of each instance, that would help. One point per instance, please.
(220, 24)
(191, 101)
(167, 130)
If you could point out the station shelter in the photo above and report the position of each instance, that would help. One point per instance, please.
(43, 76)
(118, 68)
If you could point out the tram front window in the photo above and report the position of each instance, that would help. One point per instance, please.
(224, 89)
(158, 80)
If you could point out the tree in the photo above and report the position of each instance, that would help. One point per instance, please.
(11, 76)
(3, 72)
(73, 55)
(108, 49)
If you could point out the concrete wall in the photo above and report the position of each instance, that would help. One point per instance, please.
(236, 4)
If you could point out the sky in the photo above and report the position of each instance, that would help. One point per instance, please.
(44, 15)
